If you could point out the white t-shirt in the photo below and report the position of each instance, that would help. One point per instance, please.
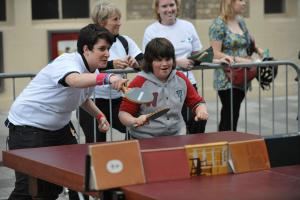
(182, 34)
(117, 51)
(45, 103)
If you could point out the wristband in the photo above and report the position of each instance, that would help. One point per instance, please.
(107, 78)
(103, 78)
(100, 79)
(99, 116)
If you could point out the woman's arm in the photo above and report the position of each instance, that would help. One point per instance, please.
(90, 107)
(259, 51)
(185, 63)
(85, 80)
(218, 54)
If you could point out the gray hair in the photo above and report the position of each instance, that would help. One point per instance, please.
(103, 10)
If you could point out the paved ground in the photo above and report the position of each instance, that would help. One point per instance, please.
(266, 128)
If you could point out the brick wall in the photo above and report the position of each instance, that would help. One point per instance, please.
(139, 9)
(190, 9)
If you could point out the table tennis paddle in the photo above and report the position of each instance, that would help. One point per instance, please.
(197, 57)
(156, 114)
(203, 56)
(137, 95)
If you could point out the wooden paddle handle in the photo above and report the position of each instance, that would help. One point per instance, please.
(124, 89)
(135, 125)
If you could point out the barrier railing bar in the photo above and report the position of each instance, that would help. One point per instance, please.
(14, 88)
(286, 97)
(298, 82)
(110, 116)
(245, 88)
(94, 120)
(259, 104)
(217, 111)
(202, 82)
(231, 107)
(273, 109)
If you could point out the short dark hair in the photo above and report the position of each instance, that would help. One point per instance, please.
(90, 34)
(157, 49)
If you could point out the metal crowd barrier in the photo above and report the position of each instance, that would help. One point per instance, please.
(14, 77)
(282, 65)
(244, 114)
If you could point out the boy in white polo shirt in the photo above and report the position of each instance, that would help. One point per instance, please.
(41, 114)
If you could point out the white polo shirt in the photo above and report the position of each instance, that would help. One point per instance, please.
(45, 103)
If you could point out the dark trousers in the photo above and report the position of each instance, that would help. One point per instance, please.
(225, 96)
(87, 121)
(21, 137)
(192, 126)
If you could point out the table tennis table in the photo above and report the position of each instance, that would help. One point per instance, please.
(65, 166)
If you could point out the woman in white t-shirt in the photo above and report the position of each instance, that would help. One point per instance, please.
(182, 34)
(40, 115)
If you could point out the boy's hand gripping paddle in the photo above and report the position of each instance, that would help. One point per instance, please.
(156, 114)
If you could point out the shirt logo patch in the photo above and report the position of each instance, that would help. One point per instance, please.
(179, 94)
(188, 40)
(154, 102)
